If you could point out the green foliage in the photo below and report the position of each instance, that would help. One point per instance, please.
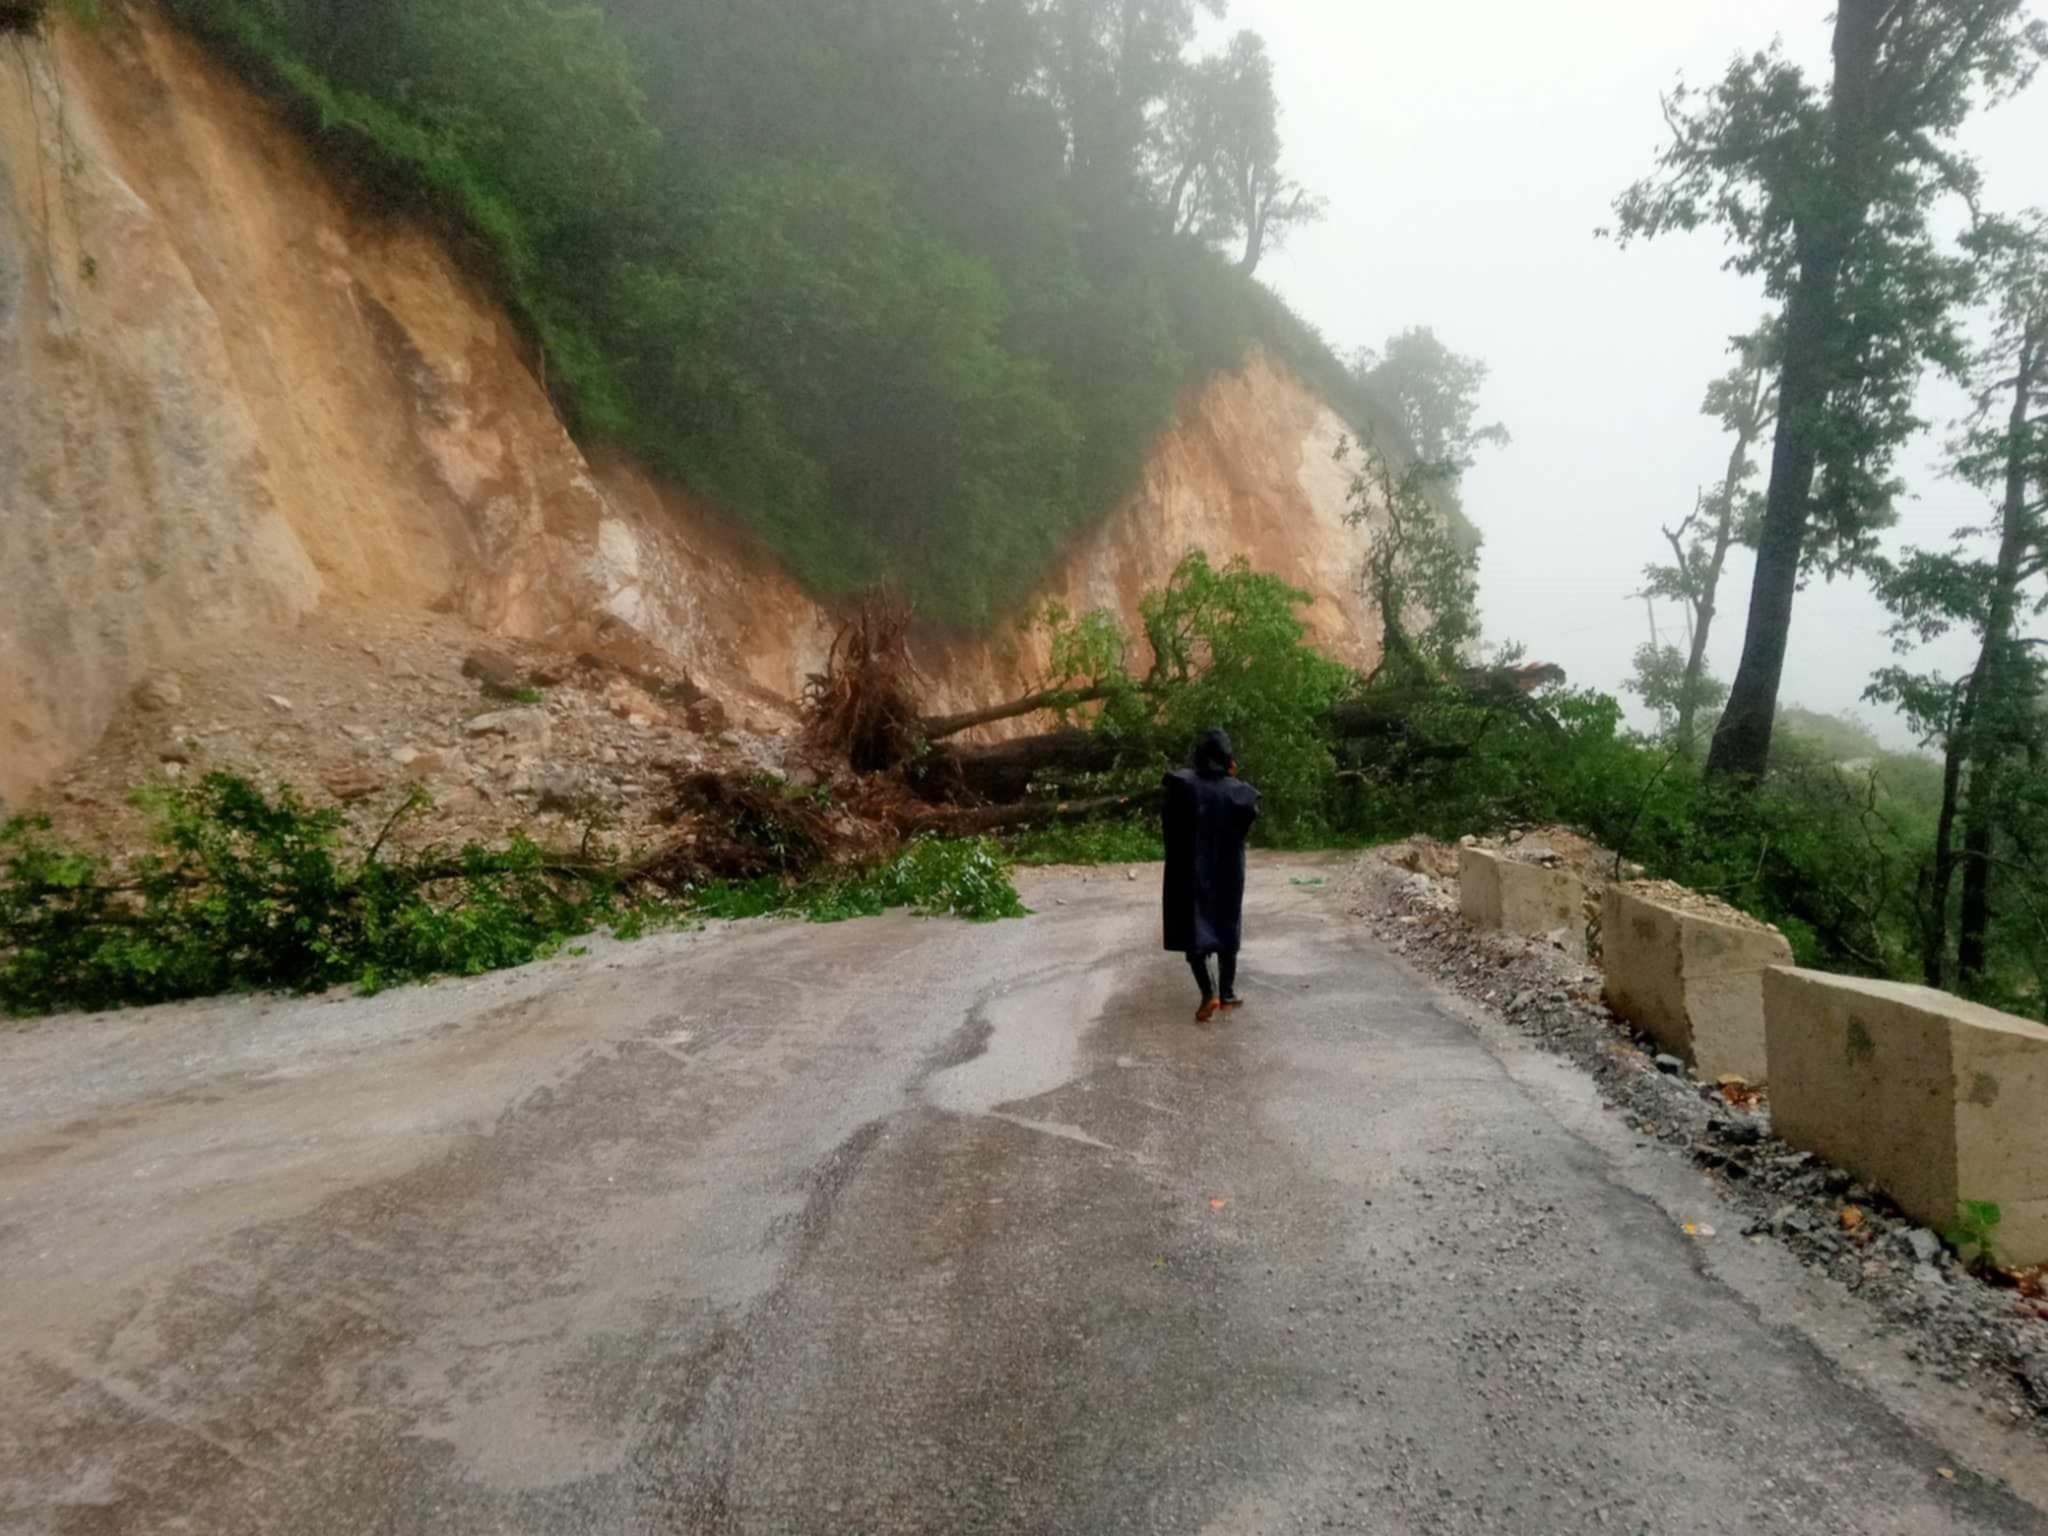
(1989, 725)
(1745, 401)
(1829, 196)
(935, 878)
(932, 877)
(856, 273)
(1829, 738)
(1421, 570)
(1090, 842)
(1220, 155)
(29, 15)
(1830, 854)
(1422, 555)
(1087, 651)
(1667, 684)
(1230, 649)
(1805, 193)
(519, 695)
(1434, 392)
(1974, 1234)
(248, 891)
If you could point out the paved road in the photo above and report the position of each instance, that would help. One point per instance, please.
(906, 1227)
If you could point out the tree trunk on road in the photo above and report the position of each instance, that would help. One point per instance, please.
(1003, 772)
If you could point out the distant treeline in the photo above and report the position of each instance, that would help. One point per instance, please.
(905, 286)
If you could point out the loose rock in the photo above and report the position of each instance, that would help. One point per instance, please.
(1923, 1245)
(561, 791)
(526, 725)
(351, 781)
(160, 691)
(495, 670)
(707, 717)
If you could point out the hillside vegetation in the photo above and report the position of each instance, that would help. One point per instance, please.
(905, 286)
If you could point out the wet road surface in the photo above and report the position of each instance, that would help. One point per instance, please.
(904, 1227)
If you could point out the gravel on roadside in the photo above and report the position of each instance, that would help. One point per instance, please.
(1960, 1328)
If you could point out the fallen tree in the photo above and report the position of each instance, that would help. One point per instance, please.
(1224, 646)
(986, 820)
(1046, 700)
(862, 709)
(1004, 771)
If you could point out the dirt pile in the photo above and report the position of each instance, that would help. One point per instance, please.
(1553, 847)
(587, 753)
(1677, 897)
(358, 709)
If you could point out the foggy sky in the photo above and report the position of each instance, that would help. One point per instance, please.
(1469, 149)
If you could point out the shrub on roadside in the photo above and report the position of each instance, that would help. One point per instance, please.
(933, 877)
(248, 891)
(1135, 841)
(1829, 853)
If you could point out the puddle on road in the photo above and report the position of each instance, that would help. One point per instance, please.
(1033, 1045)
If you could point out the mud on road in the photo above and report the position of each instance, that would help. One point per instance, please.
(906, 1226)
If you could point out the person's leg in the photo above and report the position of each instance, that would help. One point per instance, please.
(1199, 964)
(1226, 978)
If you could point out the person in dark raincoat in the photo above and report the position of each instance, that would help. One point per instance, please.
(1207, 811)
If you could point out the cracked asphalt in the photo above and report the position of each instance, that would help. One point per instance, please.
(905, 1226)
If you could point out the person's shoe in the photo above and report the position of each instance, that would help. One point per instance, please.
(1207, 1011)
(1229, 1003)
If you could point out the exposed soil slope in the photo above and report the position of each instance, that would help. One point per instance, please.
(234, 393)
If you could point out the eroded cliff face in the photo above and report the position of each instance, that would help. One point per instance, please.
(232, 393)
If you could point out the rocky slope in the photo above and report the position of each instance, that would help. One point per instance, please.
(236, 396)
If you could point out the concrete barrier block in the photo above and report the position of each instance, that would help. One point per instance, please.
(1691, 975)
(1932, 1099)
(1498, 892)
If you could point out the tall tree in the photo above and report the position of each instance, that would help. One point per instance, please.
(1005, 39)
(1676, 693)
(1744, 400)
(1422, 564)
(1434, 393)
(1221, 149)
(1215, 99)
(1421, 573)
(1829, 197)
(2007, 678)
(1110, 64)
(1989, 723)
(1255, 196)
